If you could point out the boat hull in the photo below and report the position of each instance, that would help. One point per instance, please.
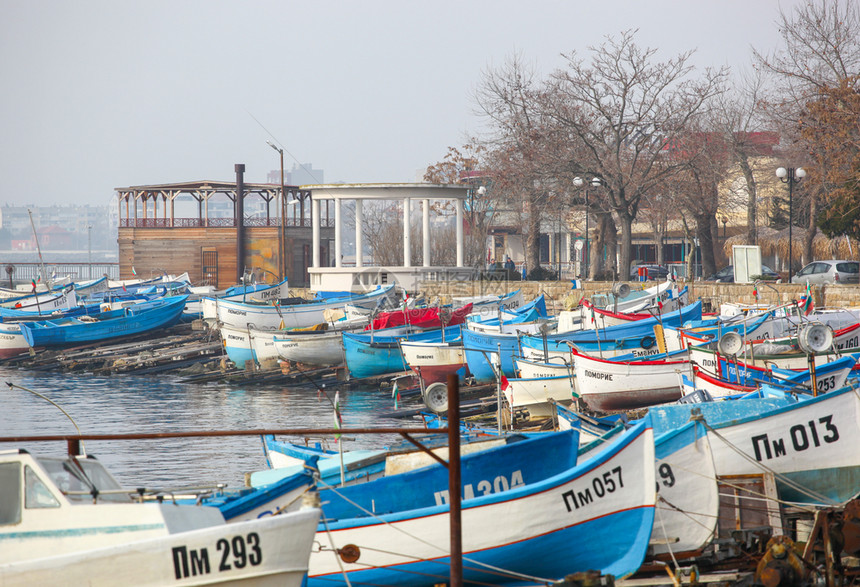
(609, 386)
(541, 529)
(535, 394)
(323, 349)
(132, 320)
(271, 551)
(433, 362)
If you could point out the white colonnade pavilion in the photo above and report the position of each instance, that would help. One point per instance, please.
(359, 277)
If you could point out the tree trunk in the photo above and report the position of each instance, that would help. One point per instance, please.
(811, 229)
(611, 253)
(532, 242)
(658, 245)
(705, 235)
(603, 237)
(626, 245)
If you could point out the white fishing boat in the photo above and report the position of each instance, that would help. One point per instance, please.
(302, 315)
(434, 361)
(12, 341)
(489, 305)
(555, 367)
(68, 521)
(811, 446)
(320, 348)
(535, 394)
(798, 360)
(623, 385)
(207, 304)
(134, 282)
(44, 303)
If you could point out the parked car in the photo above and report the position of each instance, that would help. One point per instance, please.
(655, 272)
(830, 271)
(727, 274)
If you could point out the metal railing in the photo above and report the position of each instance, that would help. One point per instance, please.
(26, 272)
(218, 222)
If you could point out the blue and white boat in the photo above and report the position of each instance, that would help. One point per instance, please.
(530, 512)
(131, 320)
(240, 314)
(487, 353)
(368, 354)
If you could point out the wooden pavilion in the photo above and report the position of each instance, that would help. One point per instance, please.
(210, 243)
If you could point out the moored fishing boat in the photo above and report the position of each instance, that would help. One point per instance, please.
(624, 385)
(559, 516)
(376, 353)
(135, 319)
(44, 303)
(320, 348)
(810, 445)
(537, 394)
(434, 361)
(688, 501)
(68, 520)
(301, 315)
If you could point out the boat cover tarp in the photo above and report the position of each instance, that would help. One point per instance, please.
(420, 317)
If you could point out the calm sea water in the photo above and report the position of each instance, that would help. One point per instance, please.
(128, 404)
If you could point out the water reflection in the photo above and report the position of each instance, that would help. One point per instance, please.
(128, 404)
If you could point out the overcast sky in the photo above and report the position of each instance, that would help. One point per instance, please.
(104, 94)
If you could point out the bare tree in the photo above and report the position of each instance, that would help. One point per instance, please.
(738, 115)
(820, 49)
(466, 167)
(624, 107)
(507, 98)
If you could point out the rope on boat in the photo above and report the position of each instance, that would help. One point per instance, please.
(373, 515)
(793, 484)
(688, 514)
(441, 578)
(669, 548)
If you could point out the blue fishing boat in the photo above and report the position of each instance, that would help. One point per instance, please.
(479, 347)
(529, 510)
(135, 319)
(377, 353)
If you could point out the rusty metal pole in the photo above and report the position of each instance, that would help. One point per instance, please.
(283, 251)
(454, 480)
(240, 222)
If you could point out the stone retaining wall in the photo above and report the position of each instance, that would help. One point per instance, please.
(559, 293)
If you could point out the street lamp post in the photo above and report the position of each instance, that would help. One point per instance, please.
(282, 237)
(791, 176)
(579, 183)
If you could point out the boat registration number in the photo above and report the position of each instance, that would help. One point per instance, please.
(237, 552)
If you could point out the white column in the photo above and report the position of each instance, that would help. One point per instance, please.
(338, 241)
(407, 262)
(425, 231)
(458, 205)
(315, 231)
(359, 226)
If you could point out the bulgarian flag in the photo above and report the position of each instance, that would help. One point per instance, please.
(338, 420)
(33, 281)
(395, 393)
(805, 304)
